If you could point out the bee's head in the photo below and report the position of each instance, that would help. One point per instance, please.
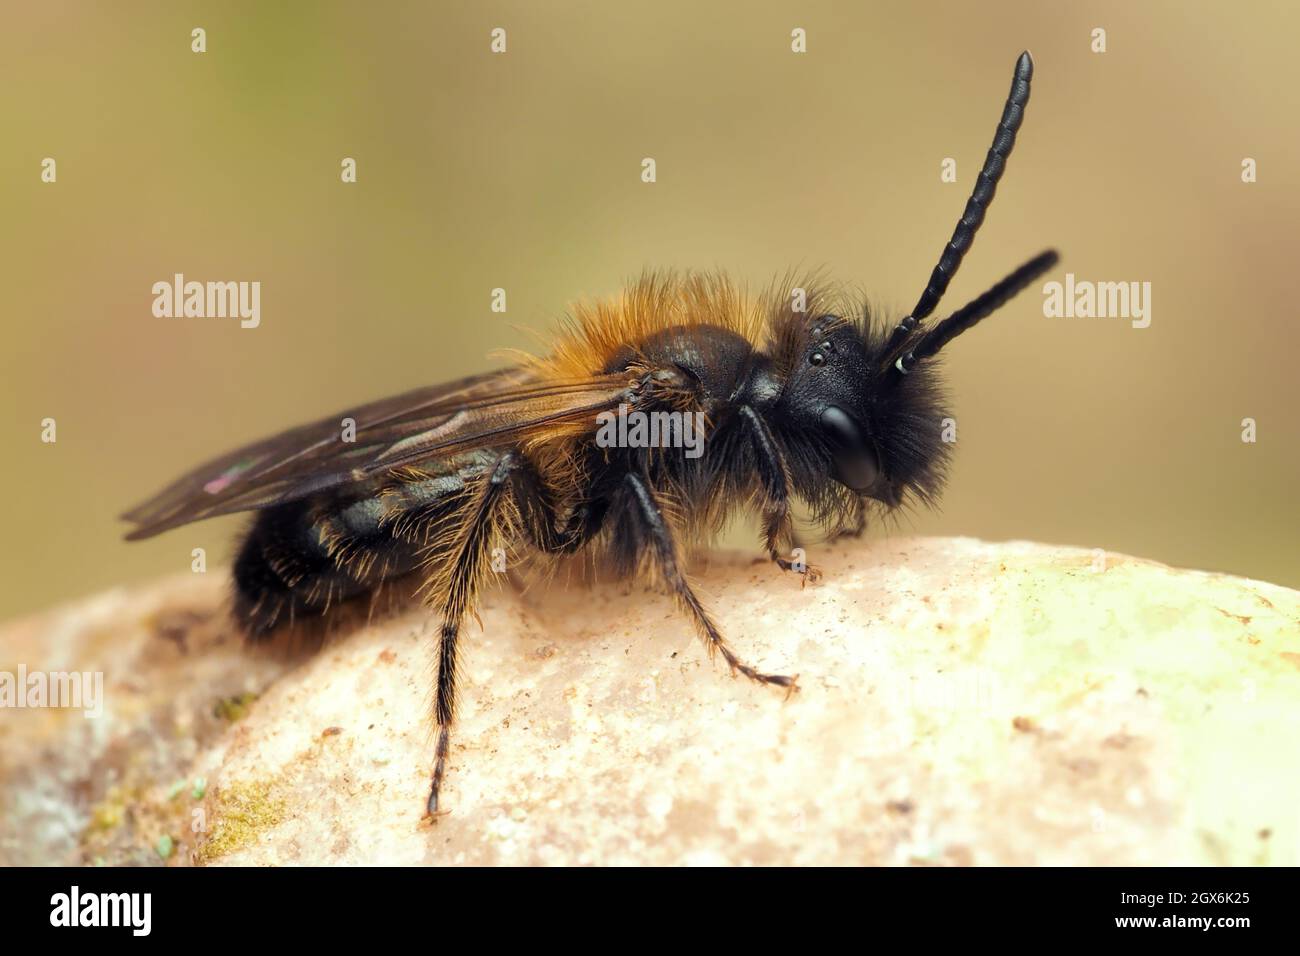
(876, 432)
(867, 400)
(864, 401)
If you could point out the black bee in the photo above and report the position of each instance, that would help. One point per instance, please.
(800, 402)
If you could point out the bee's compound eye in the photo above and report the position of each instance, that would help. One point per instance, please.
(817, 358)
(839, 428)
(856, 463)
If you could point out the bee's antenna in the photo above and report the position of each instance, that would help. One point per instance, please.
(980, 308)
(981, 196)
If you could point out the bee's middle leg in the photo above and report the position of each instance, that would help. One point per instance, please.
(664, 552)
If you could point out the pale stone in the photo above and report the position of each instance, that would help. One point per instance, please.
(959, 703)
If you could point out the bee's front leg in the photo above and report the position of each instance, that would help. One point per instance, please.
(856, 526)
(778, 528)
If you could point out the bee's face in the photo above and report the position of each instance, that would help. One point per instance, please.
(878, 435)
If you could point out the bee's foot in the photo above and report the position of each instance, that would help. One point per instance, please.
(808, 572)
(791, 684)
(431, 809)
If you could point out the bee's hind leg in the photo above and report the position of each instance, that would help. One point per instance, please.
(470, 563)
(514, 480)
(663, 550)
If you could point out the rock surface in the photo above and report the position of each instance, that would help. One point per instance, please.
(960, 703)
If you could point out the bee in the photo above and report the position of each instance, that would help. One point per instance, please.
(807, 401)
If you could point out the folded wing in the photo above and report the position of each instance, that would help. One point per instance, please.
(495, 409)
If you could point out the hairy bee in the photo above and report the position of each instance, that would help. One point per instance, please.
(816, 404)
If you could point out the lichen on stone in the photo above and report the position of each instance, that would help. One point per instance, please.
(241, 812)
(233, 709)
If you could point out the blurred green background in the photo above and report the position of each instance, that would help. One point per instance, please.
(523, 171)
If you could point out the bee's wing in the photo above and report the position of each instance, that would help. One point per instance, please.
(498, 408)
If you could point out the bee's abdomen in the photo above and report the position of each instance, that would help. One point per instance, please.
(302, 558)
